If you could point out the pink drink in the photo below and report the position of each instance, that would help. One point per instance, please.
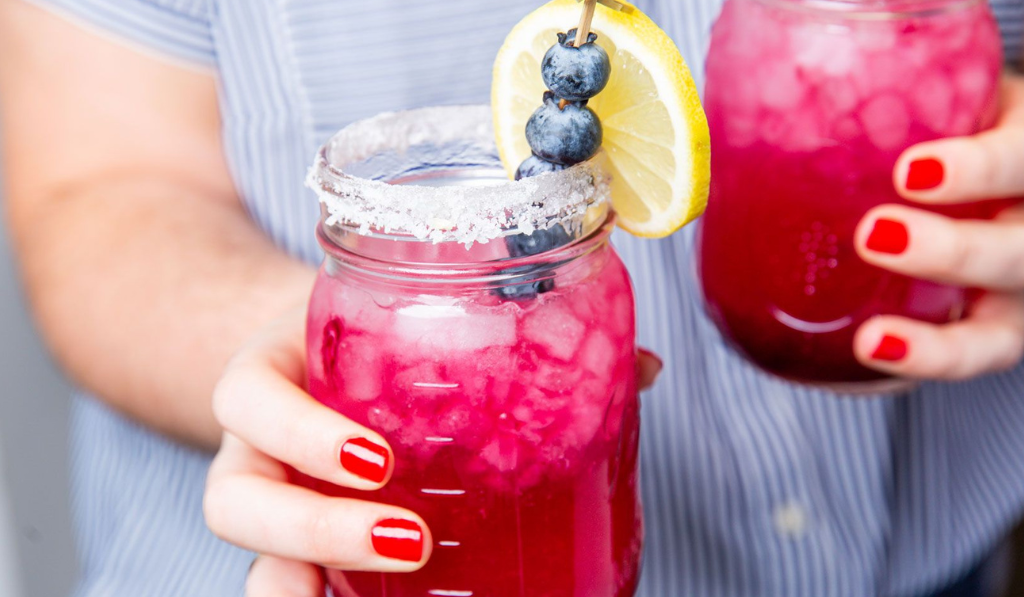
(809, 105)
(514, 427)
(514, 421)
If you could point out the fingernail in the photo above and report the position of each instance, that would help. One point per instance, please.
(890, 348)
(365, 459)
(888, 236)
(398, 539)
(925, 174)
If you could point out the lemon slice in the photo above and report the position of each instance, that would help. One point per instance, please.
(656, 137)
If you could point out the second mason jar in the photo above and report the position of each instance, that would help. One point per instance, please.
(810, 104)
(503, 378)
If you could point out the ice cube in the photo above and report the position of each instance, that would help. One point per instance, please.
(954, 34)
(451, 328)
(837, 97)
(552, 376)
(533, 423)
(781, 88)
(735, 94)
(880, 73)
(501, 452)
(886, 121)
(846, 129)
(616, 314)
(414, 432)
(382, 419)
(876, 36)
(555, 328)
(822, 52)
(452, 422)
(599, 354)
(932, 101)
(423, 381)
(360, 310)
(745, 35)
(740, 130)
(360, 367)
(802, 131)
(586, 420)
(975, 83)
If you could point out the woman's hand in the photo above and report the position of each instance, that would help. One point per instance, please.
(980, 254)
(271, 422)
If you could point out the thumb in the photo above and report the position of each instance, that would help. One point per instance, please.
(649, 365)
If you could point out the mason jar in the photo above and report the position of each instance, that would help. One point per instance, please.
(810, 103)
(504, 383)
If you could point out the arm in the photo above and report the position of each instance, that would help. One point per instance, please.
(143, 269)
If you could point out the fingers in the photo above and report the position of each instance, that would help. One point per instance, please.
(260, 400)
(956, 170)
(990, 339)
(649, 365)
(276, 577)
(249, 502)
(988, 254)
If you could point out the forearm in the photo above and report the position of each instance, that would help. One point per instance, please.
(144, 289)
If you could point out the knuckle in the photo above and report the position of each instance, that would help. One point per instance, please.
(216, 508)
(953, 364)
(324, 542)
(989, 161)
(961, 255)
(1014, 353)
(228, 395)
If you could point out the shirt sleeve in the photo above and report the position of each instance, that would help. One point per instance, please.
(178, 29)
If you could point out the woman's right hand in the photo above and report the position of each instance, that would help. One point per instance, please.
(270, 422)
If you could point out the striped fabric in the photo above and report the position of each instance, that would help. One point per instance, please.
(753, 487)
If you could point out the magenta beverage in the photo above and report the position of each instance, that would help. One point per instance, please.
(810, 103)
(506, 386)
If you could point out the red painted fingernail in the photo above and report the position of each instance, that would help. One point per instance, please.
(398, 539)
(890, 348)
(925, 174)
(365, 459)
(888, 236)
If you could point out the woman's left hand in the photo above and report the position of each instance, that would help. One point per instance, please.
(988, 255)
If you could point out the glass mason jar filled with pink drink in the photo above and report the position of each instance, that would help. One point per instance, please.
(486, 329)
(810, 103)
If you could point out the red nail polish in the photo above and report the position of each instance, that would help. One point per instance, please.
(890, 348)
(365, 459)
(925, 174)
(398, 539)
(888, 236)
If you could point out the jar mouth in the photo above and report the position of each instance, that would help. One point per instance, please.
(379, 176)
(876, 9)
(468, 268)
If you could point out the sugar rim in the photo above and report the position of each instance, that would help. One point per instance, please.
(464, 214)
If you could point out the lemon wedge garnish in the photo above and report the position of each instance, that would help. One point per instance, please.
(656, 140)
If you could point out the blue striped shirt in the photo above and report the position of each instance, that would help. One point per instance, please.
(752, 486)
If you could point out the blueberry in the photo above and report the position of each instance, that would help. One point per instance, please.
(576, 74)
(523, 288)
(565, 134)
(524, 245)
(534, 166)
